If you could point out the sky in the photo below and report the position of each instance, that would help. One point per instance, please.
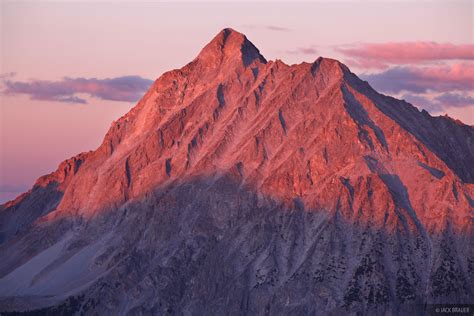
(70, 68)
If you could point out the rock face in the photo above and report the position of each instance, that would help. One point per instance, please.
(241, 186)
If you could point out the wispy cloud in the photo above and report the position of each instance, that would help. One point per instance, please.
(267, 27)
(127, 88)
(366, 63)
(439, 78)
(381, 55)
(309, 50)
(277, 28)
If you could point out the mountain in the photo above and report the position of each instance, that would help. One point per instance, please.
(239, 185)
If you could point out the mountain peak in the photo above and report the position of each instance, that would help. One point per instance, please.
(232, 169)
(230, 45)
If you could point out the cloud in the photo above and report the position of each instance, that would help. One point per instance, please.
(440, 102)
(310, 50)
(438, 78)
(127, 88)
(382, 54)
(423, 102)
(455, 100)
(366, 63)
(275, 28)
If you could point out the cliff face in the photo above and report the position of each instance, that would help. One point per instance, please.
(238, 185)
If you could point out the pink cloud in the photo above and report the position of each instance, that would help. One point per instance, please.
(382, 54)
(366, 63)
(444, 78)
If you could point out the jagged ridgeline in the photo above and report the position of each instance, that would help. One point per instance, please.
(239, 185)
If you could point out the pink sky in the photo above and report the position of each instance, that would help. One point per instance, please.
(68, 69)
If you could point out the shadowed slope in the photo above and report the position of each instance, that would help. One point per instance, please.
(212, 245)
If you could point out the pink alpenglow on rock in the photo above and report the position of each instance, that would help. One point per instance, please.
(238, 185)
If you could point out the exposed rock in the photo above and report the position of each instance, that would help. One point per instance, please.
(241, 186)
